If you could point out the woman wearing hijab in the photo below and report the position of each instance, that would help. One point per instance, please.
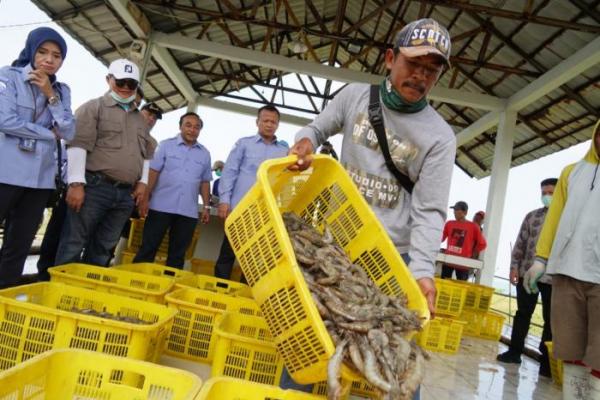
(35, 112)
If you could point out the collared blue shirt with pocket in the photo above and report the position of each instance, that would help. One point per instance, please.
(239, 174)
(182, 169)
(26, 114)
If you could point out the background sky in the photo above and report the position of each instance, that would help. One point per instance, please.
(85, 75)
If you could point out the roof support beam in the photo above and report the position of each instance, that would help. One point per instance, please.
(286, 64)
(140, 26)
(477, 128)
(566, 70)
(247, 110)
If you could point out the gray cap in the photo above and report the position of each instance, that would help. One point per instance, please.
(422, 37)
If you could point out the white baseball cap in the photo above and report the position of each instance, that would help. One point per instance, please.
(124, 69)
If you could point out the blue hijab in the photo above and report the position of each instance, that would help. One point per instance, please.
(34, 40)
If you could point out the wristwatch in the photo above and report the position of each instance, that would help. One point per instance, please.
(207, 207)
(53, 100)
(76, 184)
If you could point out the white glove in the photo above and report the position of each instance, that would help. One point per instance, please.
(533, 275)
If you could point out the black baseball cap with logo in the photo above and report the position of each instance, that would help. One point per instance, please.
(422, 37)
(154, 109)
(460, 205)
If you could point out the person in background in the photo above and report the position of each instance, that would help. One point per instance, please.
(179, 171)
(107, 171)
(51, 238)
(327, 148)
(421, 144)
(479, 218)
(35, 113)
(239, 174)
(569, 250)
(464, 239)
(218, 170)
(151, 113)
(523, 255)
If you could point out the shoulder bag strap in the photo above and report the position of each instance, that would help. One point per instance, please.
(376, 120)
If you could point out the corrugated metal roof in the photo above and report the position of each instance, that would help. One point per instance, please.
(499, 47)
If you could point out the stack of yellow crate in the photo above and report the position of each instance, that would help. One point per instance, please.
(481, 322)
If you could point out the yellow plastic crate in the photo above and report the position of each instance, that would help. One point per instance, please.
(156, 270)
(212, 284)
(37, 318)
(135, 240)
(441, 335)
(128, 256)
(207, 267)
(245, 350)
(478, 297)
(198, 312)
(450, 297)
(556, 365)
(112, 280)
(224, 388)
(79, 374)
(322, 195)
(485, 325)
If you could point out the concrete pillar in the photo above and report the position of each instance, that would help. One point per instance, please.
(497, 193)
(192, 106)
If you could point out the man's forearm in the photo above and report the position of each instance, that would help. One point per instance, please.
(152, 179)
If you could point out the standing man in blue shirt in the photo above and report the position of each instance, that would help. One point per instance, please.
(179, 170)
(35, 111)
(239, 174)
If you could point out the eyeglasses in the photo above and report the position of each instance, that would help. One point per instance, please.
(131, 84)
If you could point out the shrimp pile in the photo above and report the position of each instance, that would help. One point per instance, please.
(367, 326)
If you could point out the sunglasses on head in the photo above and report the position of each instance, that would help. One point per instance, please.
(131, 84)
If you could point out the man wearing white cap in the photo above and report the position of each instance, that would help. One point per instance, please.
(106, 172)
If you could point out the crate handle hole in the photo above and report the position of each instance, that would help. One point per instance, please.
(223, 285)
(127, 378)
(170, 273)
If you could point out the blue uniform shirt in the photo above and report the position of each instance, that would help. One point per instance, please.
(182, 169)
(20, 103)
(240, 169)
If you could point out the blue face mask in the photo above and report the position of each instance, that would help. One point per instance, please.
(122, 100)
(218, 172)
(546, 200)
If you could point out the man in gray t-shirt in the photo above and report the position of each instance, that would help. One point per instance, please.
(422, 146)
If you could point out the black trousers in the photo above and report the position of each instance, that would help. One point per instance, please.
(181, 231)
(224, 264)
(526, 304)
(22, 210)
(460, 274)
(51, 239)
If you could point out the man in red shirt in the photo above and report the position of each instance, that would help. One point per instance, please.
(464, 239)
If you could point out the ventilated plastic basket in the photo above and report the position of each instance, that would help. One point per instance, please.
(86, 375)
(156, 270)
(37, 318)
(478, 297)
(207, 267)
(198, 312)
(450, 297)
(224, 388)
(245, 350)
(441, 335)
(213, 284)
(116, 281)
(556, 365)
(322, 195)
(135, 240)
(485, 325)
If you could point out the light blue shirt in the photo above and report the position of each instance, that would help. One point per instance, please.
(20, 103)
(240, 169)
(182, 169)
